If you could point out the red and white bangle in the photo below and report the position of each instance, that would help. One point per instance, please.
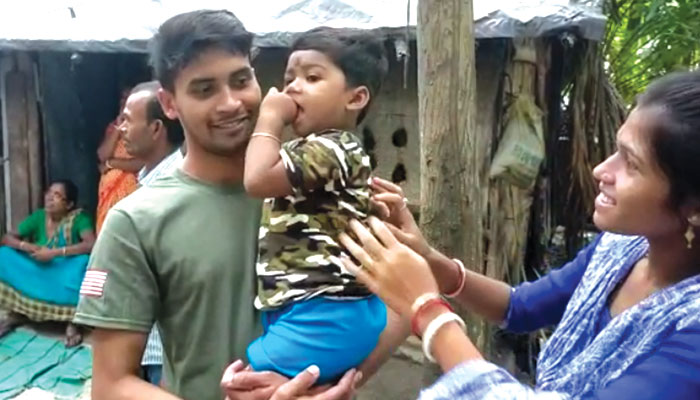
(462, 279)
(422, 300)
(434, 326)
(421, 304)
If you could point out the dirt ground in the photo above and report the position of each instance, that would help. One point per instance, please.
(400, 378)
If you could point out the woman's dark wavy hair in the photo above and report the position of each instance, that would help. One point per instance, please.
(675, 135)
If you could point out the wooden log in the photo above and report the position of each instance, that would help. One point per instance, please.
(35, 182)
(452, 151)
(19, 199)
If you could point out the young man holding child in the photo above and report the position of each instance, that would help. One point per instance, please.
(182, 251)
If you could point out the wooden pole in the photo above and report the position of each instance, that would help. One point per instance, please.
(453, 153)
(36, 186)
(18, 153)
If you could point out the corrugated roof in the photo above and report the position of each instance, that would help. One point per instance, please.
(126, 25)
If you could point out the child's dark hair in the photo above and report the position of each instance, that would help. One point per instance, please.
(182, 38)
(675, 136)
(360, 56)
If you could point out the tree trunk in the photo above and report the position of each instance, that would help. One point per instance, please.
(452, 152)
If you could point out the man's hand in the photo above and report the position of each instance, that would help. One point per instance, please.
(241, 383)
(299, 387)
(44, 254)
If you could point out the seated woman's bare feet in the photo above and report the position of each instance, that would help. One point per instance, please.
(10, 322)
(74, 336)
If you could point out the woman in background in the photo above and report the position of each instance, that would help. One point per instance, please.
(117, 168)
(42, 264)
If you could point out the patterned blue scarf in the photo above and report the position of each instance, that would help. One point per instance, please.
(576, 361)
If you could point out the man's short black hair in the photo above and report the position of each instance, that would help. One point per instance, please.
(184, 37)
(154, 111)
(357, 53)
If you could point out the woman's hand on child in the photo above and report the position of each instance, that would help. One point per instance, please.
(278, 108)
(389, 199)
(241, 383)
(396, 273)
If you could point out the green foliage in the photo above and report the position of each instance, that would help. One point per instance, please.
(646, 39)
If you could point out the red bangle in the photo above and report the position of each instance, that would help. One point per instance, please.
(425, 306)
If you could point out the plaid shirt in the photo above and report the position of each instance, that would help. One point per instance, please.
(153, 354)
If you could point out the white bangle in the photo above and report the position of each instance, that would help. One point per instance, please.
(434, 326)
(462, 279)
(421, 300)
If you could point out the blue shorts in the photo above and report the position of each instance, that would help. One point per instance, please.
(335, 335)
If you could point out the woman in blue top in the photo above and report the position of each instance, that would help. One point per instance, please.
(627, 309)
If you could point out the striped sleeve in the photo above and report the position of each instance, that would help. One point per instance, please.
(476, 380)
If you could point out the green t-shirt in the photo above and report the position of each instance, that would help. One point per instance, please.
(33, 228)
(183, 253)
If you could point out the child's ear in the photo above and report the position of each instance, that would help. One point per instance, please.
(359, 98)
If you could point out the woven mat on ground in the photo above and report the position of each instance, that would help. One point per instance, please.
(29, 360)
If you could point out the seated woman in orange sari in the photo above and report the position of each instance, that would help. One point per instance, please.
(117, 168)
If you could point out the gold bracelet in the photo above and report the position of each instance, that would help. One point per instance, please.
(108, 165)
(266, 135)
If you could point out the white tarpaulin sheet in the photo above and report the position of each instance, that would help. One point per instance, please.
(126, 25)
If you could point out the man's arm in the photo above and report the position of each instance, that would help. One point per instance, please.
(115, 370)
(120, 302)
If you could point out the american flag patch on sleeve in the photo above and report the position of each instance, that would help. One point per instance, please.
(93, 283)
